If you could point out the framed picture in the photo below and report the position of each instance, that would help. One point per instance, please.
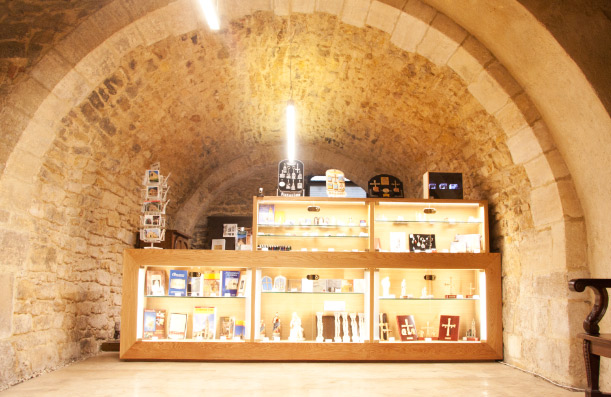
(230, 230)
(152, 177)
(153, 193)
(152, 206)
(152, 233)
(152, 220)
(218, 244)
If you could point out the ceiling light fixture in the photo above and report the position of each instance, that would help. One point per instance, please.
(210, 12)
(290, 106)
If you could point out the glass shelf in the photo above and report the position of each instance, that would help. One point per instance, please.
(284, 226)
(195, 297)
(428, 299)
(285, 236)
(312, 293)
(440, 222)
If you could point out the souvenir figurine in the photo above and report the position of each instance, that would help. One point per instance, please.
(345, 327)
(355, 331)
(296, 333)
(319, 337)
(385, 286)
(337, 338)
(276, 324)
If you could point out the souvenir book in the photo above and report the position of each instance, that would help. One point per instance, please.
(294, 285)
(397, 242)
(266, 214)
(240, 329)
(227, 327)
(230, 281)
(359, 285)
(407, 328)
(178, 283)
(347, 285)
(319, 285)
(242, 283)
(334, 285)
(195, 286)
(148, 331)
(177, 326)
(212, 283)
(204, 323)
(155, 282)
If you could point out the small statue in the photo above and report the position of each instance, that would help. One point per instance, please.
(385, 286)
(262, 329)
(355, 331)
(345, 327)
(337, 338)
(319, 337)
(276, 324)
(296, 329)
(424, 295)
(403, 289)
(362, 326)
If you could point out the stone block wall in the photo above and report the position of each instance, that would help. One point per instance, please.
(208, 107)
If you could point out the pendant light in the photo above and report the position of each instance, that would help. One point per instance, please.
(290, 106)
(210, 13)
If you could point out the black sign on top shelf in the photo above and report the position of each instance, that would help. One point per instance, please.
(443, 185)
(291, 178)
(385, 186)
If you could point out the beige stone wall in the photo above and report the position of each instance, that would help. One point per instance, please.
(380, 90)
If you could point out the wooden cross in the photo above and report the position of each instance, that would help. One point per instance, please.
(448, 326)
(383, 331)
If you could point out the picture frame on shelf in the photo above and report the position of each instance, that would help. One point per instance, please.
(218, 244)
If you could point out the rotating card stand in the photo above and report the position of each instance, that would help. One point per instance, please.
(154, 196)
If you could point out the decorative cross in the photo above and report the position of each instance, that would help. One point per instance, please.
(427, 328)
(395, 184)
(411, 330)
(448, 326)
(374, 183)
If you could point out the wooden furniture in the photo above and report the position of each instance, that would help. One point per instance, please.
(482, 270)
(173, 240)
(340, 263)
(595, 344)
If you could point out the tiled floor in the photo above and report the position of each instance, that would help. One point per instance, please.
(105, 375)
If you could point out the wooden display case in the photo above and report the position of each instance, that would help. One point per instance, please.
(482, 271)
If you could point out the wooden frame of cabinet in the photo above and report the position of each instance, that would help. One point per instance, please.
(133, 348)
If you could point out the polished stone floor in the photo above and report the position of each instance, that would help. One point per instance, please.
(105, 375)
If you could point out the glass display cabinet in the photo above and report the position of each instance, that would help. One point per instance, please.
(330, 280)
(306, 224)
(431, 226)
(329, 306)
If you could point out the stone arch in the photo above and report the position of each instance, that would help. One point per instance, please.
(64, 78)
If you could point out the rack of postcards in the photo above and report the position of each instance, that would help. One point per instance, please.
(154, 196)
